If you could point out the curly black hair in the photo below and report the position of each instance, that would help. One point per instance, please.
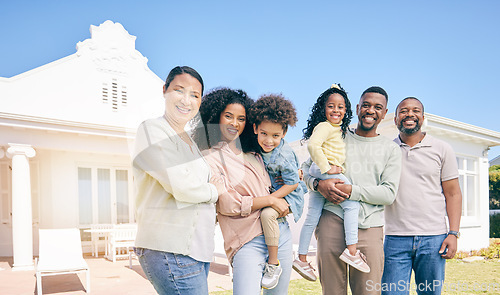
(318, 112)
(273, 108)
(212, 105)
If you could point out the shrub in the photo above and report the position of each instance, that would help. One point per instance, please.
(495, 226)
(493, 251)
(494, 187)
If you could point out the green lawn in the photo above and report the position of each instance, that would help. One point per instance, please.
(481, 277)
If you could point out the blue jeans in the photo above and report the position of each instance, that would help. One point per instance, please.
(249, 261)
(420, 253)
(316, 202)
(174, 273)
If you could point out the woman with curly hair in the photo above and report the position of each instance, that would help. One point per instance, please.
(271, 115)
(326, 128)
(230, 152)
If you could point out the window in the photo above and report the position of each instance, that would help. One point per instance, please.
(468, 179)
(104, 195)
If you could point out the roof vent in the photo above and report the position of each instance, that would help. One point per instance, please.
(115, 94)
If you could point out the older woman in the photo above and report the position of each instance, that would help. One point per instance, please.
(175, 201)
(246, 190)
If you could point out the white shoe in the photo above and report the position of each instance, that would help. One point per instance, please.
(305, 269)
(357, 261)
(271, 275)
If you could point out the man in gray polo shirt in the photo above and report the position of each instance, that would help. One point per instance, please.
(417, 235)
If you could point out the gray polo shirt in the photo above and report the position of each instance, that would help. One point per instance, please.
(420, 205)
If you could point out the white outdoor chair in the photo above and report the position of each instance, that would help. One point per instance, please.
(121, 242)
(95, 238)
(126, 225)
(60, 252)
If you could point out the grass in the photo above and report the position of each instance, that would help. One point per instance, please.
(481, 277)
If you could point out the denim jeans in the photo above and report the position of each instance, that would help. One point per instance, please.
(420, 253)
(174, 273)
(316, 202)
(249, 261)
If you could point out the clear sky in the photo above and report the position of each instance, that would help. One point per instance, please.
(446, 53)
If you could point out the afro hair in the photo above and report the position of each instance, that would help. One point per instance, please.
(273, 108)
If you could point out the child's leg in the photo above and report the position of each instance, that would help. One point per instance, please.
(316, 202)
(315, 172)
(351, 213)
(352, 256)
(271, 231)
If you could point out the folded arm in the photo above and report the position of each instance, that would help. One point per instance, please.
(167, 164)
(384, 193)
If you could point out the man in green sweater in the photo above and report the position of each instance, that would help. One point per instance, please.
(373, 164)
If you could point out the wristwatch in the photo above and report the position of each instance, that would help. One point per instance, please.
(455, 233)
(315, 184)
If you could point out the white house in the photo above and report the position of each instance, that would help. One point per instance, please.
(66, 130)
(72, 121)
(495, 161)
(471, 145)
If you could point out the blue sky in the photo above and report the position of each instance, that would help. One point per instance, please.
(446, 53)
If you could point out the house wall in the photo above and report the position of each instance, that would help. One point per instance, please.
(58, 155)
(474, 230)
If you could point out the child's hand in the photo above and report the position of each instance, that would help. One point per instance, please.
(334, 170)
(279, 180)
(301, 175)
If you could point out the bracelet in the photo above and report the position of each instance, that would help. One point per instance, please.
(315, 184)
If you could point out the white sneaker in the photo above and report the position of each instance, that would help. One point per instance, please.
(271, 275)
(357, 261)
(305, 269)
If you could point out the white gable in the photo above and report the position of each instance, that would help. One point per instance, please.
(106, 82)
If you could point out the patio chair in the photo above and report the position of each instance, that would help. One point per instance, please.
(121, 242)
(60, 252)
(95, 238)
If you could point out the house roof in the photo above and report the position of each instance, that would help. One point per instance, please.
(495, 161)
(106, 86)
(448, 127)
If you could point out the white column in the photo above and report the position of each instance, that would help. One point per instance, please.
(22, 229)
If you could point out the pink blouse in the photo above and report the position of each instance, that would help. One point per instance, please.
(243, 180)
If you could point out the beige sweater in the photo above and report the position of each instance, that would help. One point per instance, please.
(174, 199)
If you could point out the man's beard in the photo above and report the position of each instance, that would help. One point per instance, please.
(409, 130)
